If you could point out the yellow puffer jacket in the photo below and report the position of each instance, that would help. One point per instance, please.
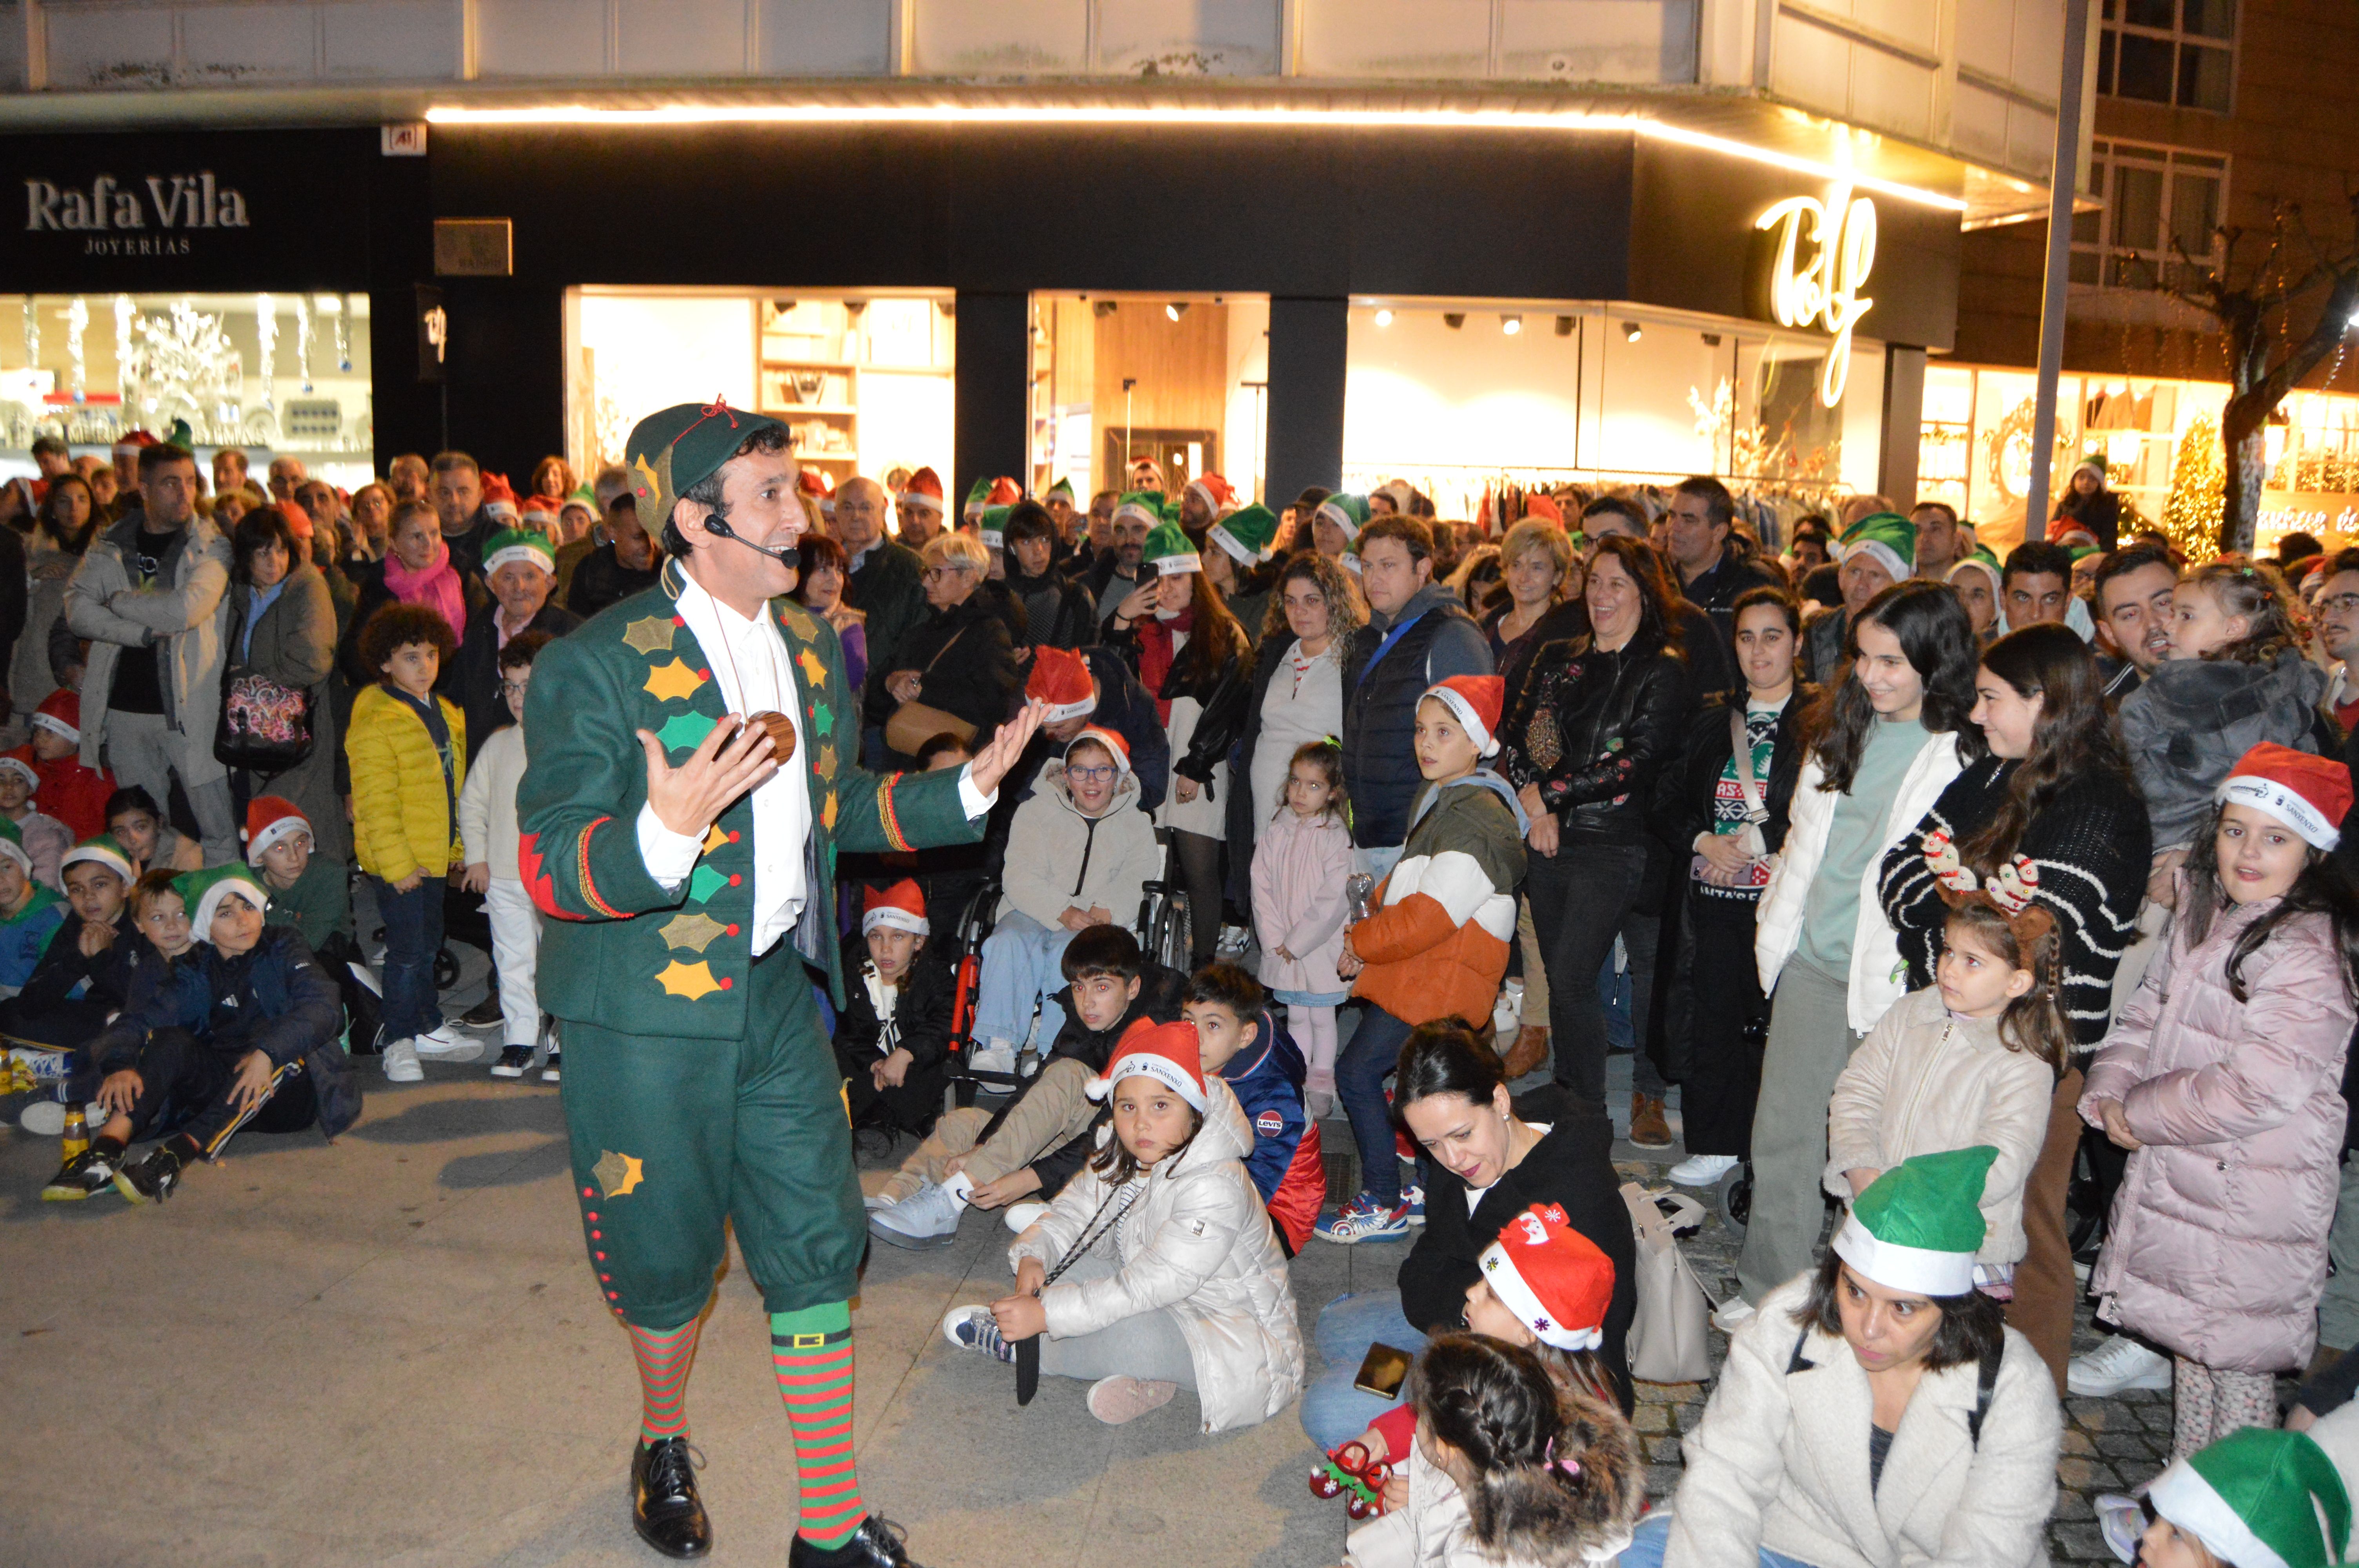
(401, 813)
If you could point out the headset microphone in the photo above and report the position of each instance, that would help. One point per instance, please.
(784, 555)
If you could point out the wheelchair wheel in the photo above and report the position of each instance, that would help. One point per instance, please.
(1734, 1196)
(1172, 933)
(446, 969)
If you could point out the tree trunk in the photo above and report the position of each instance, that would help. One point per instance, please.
(2244, 437)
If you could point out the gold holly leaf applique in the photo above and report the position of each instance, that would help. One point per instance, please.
(693, 981)
(650, 634)
(674, 682)
(618, 1174)
(693, 932)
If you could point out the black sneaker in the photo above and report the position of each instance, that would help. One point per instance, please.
(85, 1175)
(549, 1068)
(513, 1060)
(665, 1509)
(151, 1178)
(485, 1014)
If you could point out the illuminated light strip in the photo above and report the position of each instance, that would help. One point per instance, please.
(1070, 114)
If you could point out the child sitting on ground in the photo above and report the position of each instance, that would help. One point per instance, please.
(1301, 863)
(1971, 1059)
(1078, 852)
(45, 839)
(83, 978)
(241, 1030)
(2278, 1498)
(487, 822)
(313, 894)
(1543, 1294)
(1435, 944)
(1238, 1040)
(135, 821)
(74, 793)
(30, 913)
(992, 1160)
(1155, 1269)
(893, 1038)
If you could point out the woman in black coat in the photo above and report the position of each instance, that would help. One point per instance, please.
(959, 659)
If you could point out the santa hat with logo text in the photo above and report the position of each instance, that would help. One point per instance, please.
(1168, 1053)
(1475, 702)
(2310, 795)
(1060, 679)
(901, 907)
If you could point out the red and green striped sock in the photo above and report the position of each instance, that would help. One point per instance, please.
(664, 1357)
(812, 1351)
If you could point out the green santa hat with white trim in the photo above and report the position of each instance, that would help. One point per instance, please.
(1250, 533)
(1918, 1225)
(1169, 551)
(1889, 539)
(104, 850)
(201, 893)
(1060, 491)
(526, 544)
(1349, 512)
(976, 500)
(2259, 1498)
(1144, 505)
(994, 528)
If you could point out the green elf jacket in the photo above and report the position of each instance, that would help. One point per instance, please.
(619, 950)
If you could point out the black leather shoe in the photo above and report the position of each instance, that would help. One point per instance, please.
(875, 1545)
(665, 1509)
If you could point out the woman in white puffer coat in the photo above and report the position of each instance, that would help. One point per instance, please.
(1156, 1268)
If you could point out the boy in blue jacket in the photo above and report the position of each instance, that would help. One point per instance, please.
(243, 1029)
(29, 912)
(1262, 1067)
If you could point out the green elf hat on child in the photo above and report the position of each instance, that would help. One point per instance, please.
(994, 528)
(202, 892)
(677, 447)
(2259, 1498)
(1169, 551)
(104, 850)
(1919, 1225)
(1250, 533)
(1147, 505)
(12, 845)
(526, 544)
(1889, 539)
(1349, 512)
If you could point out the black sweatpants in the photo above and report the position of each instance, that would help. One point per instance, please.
(1727, 1022)
(912, 1107)
(185, 1089)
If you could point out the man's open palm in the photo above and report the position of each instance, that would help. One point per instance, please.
(688, 799)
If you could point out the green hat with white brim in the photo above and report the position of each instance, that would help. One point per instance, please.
(202, 892)
(977, 498)
(1169, 551)
(1889, 539)
(1918, 1225)
(104, 850)
(2259, 1498)
(1060, 491)
(1349, 512)
(1250, 533)
(994, 528)
(1147, 505)
(527, 545)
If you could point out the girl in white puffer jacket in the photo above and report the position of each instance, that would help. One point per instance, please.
(1156, 1268)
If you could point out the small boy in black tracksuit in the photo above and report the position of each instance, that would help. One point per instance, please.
(893, 1037)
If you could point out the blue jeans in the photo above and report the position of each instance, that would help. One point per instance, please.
(1023, 961)
(1334, 1411)
(413, 935)
(1361, 1069)
(1646, 1544)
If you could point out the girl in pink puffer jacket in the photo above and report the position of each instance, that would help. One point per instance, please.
(2223, 1074)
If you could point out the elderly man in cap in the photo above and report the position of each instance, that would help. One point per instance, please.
(692, 776)
(520, 568)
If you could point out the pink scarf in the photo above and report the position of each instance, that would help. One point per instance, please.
(437, 587)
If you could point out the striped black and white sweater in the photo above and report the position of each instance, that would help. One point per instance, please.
(2093, 847)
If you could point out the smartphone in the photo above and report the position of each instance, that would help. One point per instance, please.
(1383, 1372)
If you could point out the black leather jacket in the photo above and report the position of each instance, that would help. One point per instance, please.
(1594, 730)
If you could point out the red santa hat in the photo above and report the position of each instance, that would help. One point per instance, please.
(60, 714)
(1218, 492)
(1552, 1277)
(298, 521)
(499, 499)
(1545, 507)
(272, 819)
(901, 907)
(814, 483)
(23, 768)
(1168, 1053)
(1004, 492)
(1061, 678)
(133, 440)
(1474, 701)
(1106, 738)
(2310, 795)
(924, 489)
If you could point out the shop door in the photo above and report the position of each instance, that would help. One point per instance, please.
(1180, 454)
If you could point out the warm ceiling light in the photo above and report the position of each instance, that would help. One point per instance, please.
(1453, 319)
(1176, 310)
(1511, 325)
(1163, 116)
(1630, 330)
(1384, 317)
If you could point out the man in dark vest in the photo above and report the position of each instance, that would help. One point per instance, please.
(1417, 634)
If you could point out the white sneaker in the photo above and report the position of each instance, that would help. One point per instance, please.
(1702, 1170)
(448, 1043)
(872, 1201)
(2118, 1365)
(1020, 1216)
(992, 1056)
(400, 1063)
(928, 1218)
(1732, 1315)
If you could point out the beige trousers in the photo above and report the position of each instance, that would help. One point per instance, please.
(1057, 1109)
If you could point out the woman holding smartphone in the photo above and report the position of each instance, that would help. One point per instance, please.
(1486, 1160)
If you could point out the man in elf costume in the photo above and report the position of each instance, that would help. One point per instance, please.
(693, 775)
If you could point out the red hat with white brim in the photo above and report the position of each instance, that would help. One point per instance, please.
(1552, 1277)
(925, 489)
(1474, 701)
(1112, 741)
(1168, 1053)
(19, 766)
(1060, 679)
(2310, 795)
(901, 907)
(1216, 492)
(60, 714)
(271, 820)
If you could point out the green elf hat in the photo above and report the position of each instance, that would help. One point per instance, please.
(202, 892)
(995, 528)
(1169, 551)
(1250, 533)
(681, 446)
(1919, 1225)
(1350, 513)
(1147, 505)
(2259, 1498)
(1060, 491)
(103, 851)
(1889, 539)
(12, 845)
(977, 499)
(527, 545)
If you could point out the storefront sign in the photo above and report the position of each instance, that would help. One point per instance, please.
(2287, 511)
(1823, 289)
(121, 218)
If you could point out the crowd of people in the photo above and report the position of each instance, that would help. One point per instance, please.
(1918, 880)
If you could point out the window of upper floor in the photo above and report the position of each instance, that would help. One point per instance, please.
(2155, 198)
(2180, 52)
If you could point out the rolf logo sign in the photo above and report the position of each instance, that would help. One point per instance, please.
(1824, 253)
(123, 219)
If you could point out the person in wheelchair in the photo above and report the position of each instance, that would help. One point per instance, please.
(893, 1037)
(1078, 855)
(1035, 1142)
